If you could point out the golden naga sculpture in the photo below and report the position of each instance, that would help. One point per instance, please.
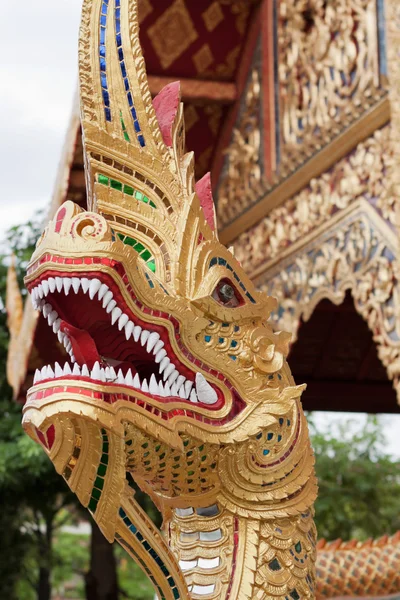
(176, 379)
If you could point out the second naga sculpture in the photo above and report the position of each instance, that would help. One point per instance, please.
(175, 378)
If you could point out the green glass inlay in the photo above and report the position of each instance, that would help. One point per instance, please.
(93, 505)
(99, 483)
(105, 447)
(116, 185)
(274, 565)
(102, 470)
(146, 255)
(103, 179)
(152, 265)
(298, 547)
(128, 190)
(96, 494)
(126, 135)
(104, 459)
(140, 196)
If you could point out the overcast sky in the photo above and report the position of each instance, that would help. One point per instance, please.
(38, 68)
(38, 74)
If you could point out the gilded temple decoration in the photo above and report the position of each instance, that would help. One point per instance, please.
(328, 71)
(174, 376)
(329, 93)
(243, 179)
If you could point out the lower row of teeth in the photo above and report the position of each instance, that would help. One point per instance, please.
(185, 390)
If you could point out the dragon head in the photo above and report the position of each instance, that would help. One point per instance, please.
(173, 362)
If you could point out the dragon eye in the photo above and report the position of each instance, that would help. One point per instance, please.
(226, 294)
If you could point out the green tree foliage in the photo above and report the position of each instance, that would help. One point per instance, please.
(359, 483)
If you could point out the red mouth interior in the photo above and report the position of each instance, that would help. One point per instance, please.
(94, 338)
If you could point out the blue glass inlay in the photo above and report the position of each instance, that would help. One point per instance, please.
(102, 60)
(160, 564)
(125, 77)
(265, 452)
(221, 340)
(234, 344)
(207, 338)
(232, 357)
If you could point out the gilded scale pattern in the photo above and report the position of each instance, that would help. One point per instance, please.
(234, 480)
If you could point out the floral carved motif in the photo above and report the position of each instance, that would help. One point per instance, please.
(242, 180)
(328, 71)
(363, 174)
(354, 255)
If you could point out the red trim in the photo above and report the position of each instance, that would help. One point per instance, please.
(233, 112)
(268, 87)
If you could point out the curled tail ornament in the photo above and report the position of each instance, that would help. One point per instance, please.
(174, 376)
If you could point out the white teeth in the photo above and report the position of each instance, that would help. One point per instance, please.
(52, 317)
(36, 377)
(76, 370)
(169, 369)
(47, 308)
(174, 375)
(94, 287)
(160, 355)
(144, 337)
(179, 381)
(85, 283)
(115, 315)
(152, 341)
(59, 284)
(129, 378)
(205, 392)
(95, 374)
(122, 321)
(56, 325)
(67, 283)
(52, 284)
(175, 384)
(153, 387)
(58, 370)
(110, 307)
(129, 327)
(76, 284)
(102, 291)
(107, 298)
(46, 288)
(67, 369)
(164, 364)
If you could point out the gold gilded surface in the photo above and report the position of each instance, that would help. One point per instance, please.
(243, 179)
(330, 96)
(232, 473)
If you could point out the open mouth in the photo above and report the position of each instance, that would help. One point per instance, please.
(111, 346)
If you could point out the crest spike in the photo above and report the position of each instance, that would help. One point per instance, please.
(204, 192)
(166, 104)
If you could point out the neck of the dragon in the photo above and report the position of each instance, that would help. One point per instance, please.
(228, 557)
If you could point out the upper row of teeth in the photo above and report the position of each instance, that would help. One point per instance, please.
(150, 340)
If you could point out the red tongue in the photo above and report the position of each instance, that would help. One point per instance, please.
(83, 345)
